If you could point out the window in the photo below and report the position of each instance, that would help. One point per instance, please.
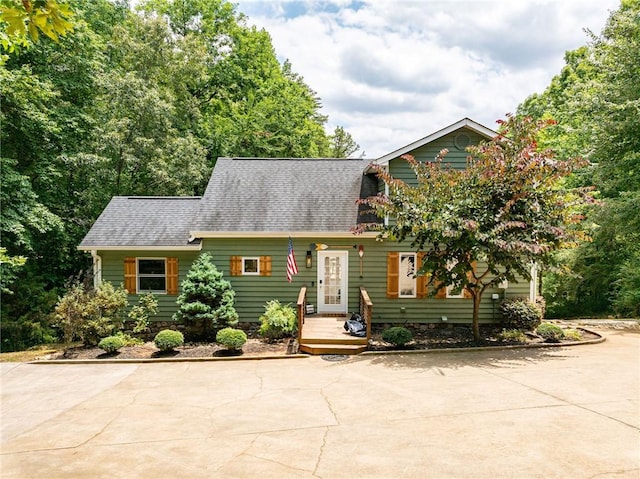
(251, 266)
(406, 275)
(401, 276)
(152, 275)
(156, 275)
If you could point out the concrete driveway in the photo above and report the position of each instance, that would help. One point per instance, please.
(566, 413)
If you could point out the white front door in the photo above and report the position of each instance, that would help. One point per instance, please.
(333, 272)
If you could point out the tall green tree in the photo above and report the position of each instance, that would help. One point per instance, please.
(491, 221)
(595, 100)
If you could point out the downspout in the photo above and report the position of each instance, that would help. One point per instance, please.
(97, 268)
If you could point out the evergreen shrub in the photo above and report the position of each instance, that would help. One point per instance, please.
(167, 339)
(111, 344)
(207, 299)
(397, 335)
(519, 313)
(231, 338)
(278, 320)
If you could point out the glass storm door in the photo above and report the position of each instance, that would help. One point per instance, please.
(333, 271)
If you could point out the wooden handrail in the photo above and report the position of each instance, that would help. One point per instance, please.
(366, 309)
(302, 308)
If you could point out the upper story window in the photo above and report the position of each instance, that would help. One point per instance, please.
(152, 275)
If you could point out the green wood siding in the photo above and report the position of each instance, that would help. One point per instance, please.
(113, 271)
(456, 157)
(252, 292)
(429, 309)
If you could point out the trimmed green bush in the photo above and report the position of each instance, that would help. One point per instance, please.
(167, 339)
(519, 313)
(512, 335)
(397, 335)
(231, 338)
(111, 344)
(278, 320)
(550, 332)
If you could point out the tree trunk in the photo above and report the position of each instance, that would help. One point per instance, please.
(477, 296)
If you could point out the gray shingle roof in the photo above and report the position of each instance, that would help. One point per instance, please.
(143, 221)
(282, 195)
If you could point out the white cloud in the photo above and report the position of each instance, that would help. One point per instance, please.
(392, 72)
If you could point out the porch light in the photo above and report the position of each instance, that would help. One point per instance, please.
(308, 260)
(360, 251)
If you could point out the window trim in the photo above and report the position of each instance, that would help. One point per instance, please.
(138, 275)
(400, 273)
(244, 271)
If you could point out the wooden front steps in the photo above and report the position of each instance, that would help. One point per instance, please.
(326, 335)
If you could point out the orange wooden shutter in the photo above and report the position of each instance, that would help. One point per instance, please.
(265, 265)
(465, 292)
(441, 293)
(236, 266)
(421, 281)
(172, 276)
(393, 273)
(130, 274)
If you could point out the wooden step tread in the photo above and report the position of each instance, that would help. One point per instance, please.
(327, 348)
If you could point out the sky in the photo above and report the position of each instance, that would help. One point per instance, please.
(392, 72)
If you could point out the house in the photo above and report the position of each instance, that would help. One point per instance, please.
(251, 208)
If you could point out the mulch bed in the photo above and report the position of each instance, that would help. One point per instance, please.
(253, 347)
(438, 338)
(460, 337)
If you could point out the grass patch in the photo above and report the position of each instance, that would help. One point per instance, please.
(33, 353)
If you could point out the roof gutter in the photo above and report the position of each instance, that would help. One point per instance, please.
(195, 247)
(280, 234)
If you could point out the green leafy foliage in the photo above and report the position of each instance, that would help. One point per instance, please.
(595, 100)
(231, 338)
(90, 314)
(278, 320)
(512, 336)
(571, 334)
(520, 313)
(491, 221)
(111, 344)
(207, 299)
(550, 332)
(397, 335)
(140, 313)
(23, 21)
(168, 339)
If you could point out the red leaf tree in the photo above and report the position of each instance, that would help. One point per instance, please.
(507, 211)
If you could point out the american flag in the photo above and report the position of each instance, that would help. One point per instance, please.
(292, 267)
